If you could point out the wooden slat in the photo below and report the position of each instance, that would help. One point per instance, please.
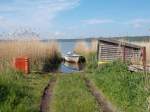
(110, 52)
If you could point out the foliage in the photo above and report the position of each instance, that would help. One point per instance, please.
(52, 63)
(125, 89)
(19, 93)
(91, 62)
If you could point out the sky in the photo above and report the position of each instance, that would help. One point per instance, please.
(76, 18)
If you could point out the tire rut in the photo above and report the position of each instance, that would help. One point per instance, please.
(47, 95)
(105, 105)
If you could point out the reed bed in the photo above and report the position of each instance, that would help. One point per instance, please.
(83, 48)
(88, 50)
(37, 51)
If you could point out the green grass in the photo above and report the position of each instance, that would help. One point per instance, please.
(19, 93)
(71, 95)
(127, 91)
(124, 89)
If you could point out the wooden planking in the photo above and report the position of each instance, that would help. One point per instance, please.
(116, 42)
(110, 52)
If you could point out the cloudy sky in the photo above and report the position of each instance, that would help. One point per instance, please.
(76, 18)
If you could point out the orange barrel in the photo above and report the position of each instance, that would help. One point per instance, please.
(22, 64)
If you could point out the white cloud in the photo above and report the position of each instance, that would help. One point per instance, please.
(98, 21)
(34, 13)
(47, 12)
(6, 24)
(138, 23)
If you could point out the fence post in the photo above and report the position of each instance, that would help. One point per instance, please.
(98, 50)
(124, 54)
(144, 57)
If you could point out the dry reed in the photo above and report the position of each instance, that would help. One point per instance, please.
(82, 47)
(36, 50)
(94, 44)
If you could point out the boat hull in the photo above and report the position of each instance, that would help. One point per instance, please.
(74, 59)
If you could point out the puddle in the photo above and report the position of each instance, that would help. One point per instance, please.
(67, 67)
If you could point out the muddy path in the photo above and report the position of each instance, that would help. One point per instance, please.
(47, 95)
(104, 104)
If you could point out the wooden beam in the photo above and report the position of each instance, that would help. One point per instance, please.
(144, 57)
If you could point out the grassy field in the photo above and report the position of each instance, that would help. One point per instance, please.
(128, 91)
(71, 95)
(19, 93)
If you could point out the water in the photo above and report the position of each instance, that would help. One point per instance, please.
(66, 46)
(71, 67)
(65, 67)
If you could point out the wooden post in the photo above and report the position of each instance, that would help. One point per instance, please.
(144, 57)
(98, 51)
(124, 54)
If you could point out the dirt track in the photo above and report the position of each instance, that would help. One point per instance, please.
(105, 105)
(47, 95)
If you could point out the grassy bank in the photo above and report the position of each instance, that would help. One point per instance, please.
(19, 93)
(71, 95)
(128, 91)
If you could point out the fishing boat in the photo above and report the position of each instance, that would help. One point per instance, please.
(74, 58)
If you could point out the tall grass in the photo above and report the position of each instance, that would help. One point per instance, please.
(36, 50)
(89, 51)
(128, 91)
(20, 94)
(83, 48)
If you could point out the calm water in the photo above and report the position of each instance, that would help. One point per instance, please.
(65, 67)
(68, 46)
